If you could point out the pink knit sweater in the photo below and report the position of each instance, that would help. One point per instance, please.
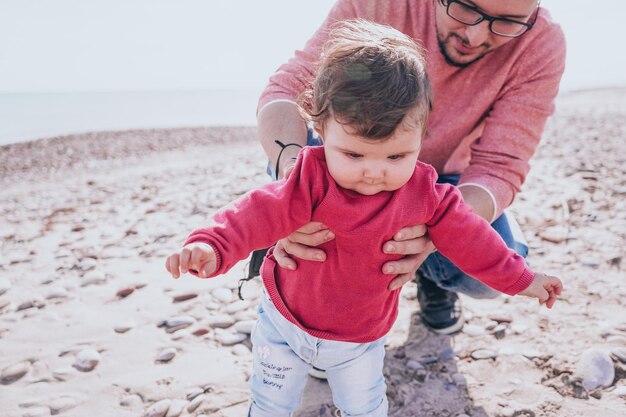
(488, 117)
(346, 298)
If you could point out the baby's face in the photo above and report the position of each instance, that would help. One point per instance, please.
(370, 166)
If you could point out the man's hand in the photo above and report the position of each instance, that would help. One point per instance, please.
(545, 288)
(196, 257)
(413, 242)
(301, 244)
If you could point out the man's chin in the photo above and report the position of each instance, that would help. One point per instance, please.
(457, 58)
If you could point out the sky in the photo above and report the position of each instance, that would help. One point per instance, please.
(129, 45)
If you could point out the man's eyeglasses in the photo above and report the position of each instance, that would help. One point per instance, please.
(470, 15)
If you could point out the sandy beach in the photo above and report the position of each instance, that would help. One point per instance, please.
(92, 325)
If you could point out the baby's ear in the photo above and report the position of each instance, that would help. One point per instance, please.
(319, 129)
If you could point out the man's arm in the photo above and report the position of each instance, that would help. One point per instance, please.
(281, 120)
(479, 200)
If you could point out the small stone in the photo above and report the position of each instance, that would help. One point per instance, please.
(414, 365)
(620, 391)
(447, 354)
(590, 261)
(131, 401)
(409, 292)
(240, 350)
(499, 331)
(500, 318)
(124, 327)
(481, 354)
(93, 278)
(531, 353)
(201, 331)
(166, 355)
(5, 285)
(619, 354)
(87, 360)
(34, 302)
(59, 405)
(220, 321)
(429, 360)
(63, 374)
(223, 295)
(12, 373)
(519, 328)
(555, 234)
(194, 392)
(507, 412)
(195, 403)
(177, 323)
(38, 411)
(245, 326)
(57, 293)
(229, 339)
(176, 408)
(473, 330)
(595, 368)
(212, 306)
(87, 264)
(399, 354)
(458, 379)
(179, 298)
(491, 325)
(158, 409)
(237, 306)
(125, 292)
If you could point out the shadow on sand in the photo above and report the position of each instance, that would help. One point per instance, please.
(430, 387)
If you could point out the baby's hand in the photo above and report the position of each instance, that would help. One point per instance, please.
(196, 257)
(545, 288)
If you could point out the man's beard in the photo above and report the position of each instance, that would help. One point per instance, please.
(449, 60)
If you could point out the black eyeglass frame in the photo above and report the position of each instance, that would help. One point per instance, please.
(491, 19)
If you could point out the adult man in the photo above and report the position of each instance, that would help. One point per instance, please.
(495, 67)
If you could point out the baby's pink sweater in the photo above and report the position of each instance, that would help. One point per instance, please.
(503, 99)
(346, 297)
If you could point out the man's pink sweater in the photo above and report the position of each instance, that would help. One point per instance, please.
(488, 117)
(346, 297)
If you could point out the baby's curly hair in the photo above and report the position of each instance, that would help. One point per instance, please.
(369, 77)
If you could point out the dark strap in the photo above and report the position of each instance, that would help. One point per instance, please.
(282, 148)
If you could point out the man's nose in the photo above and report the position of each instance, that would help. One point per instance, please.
(477, 35)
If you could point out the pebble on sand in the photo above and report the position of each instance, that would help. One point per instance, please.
(480, 354)
(87, 360)
(166, 355)
(5, 285)
(39, 411)
(176, 408)
(595, 368)
(158, 409)
(223, 295)
(12, 373)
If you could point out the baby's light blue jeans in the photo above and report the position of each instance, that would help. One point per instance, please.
(283, 355)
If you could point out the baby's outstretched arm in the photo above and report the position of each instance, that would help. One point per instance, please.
(196, 257)
(545, 288)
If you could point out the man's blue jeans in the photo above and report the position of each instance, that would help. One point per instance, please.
(437, 267)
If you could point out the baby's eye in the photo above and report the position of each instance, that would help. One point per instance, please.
(354, 155)
(395, 157)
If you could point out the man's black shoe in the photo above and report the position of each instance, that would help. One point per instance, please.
(440, 309)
